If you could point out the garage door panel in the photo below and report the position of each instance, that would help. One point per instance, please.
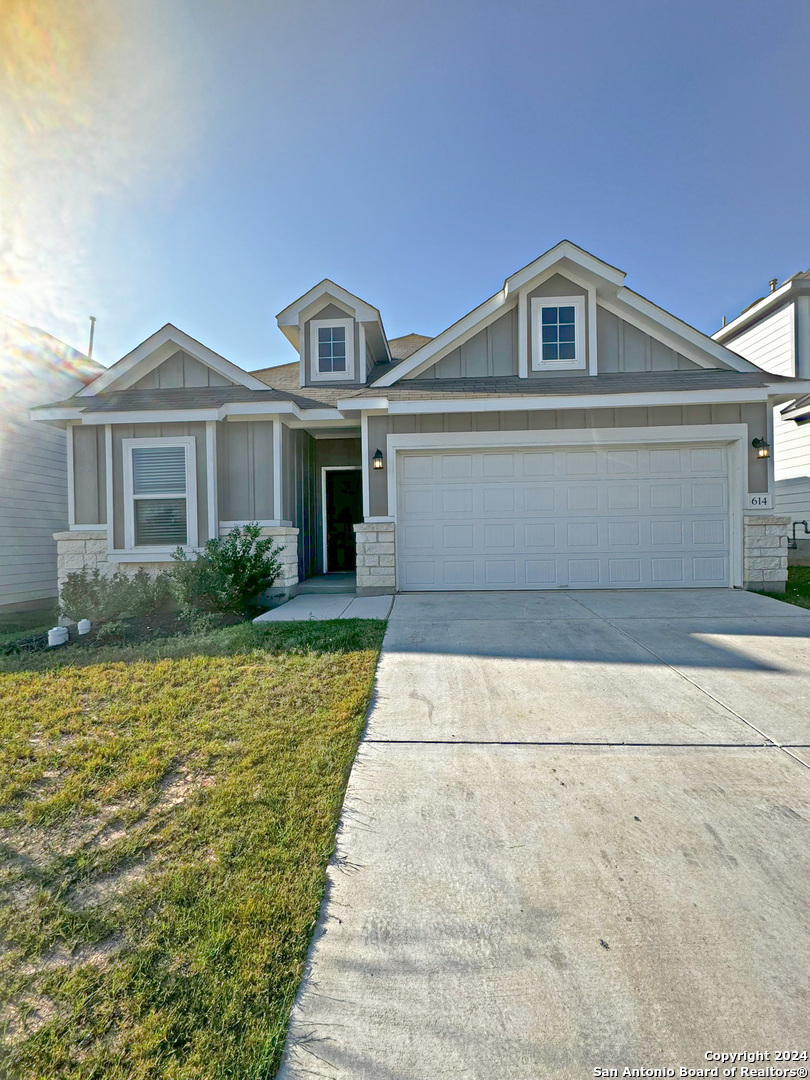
(607, 518)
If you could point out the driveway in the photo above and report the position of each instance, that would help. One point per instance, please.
(576, 837)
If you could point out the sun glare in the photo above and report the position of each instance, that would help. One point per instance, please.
(83, 137)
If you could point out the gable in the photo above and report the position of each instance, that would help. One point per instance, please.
(636, 334)
(492, 351)
(181, 369)
(188, 363)
(624, 347)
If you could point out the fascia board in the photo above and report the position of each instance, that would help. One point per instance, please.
(778, 393)
(753, 314)
(363, 404)
(447, 340)
(136, 363)
(364, 311)
(583, 401)
(43, 414)
(564, 250)
(658, 317)
(151, 416)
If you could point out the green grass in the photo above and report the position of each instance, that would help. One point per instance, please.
(798, 587)
(166, 815)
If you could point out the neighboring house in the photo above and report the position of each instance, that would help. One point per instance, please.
(774, 333)
(565, 433)
(34, 368)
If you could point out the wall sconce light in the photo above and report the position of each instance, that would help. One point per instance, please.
(762, 447)
(378, 460)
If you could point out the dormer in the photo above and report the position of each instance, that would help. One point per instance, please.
(339, 337)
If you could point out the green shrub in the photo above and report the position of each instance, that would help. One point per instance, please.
(228, 574)
(112, 633)
(89, 594)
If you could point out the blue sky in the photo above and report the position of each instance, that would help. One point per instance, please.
(233, 154)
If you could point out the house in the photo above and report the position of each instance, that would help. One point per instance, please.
(34, 368)
(566, 433)
(774, 333)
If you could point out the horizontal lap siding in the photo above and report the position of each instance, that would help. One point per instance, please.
(33, 487)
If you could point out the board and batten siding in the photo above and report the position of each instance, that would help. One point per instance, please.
(180, 370)
(89, 475)
(494, 350)
(300, 497)
(772, 344)
(245, 470)
(564, 419)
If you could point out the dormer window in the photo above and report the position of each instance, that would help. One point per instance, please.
(331, 350)
(558, 333)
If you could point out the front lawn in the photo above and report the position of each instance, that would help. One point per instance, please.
(798, 587)
(166, 815)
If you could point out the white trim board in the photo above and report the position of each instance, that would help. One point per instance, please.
(586, 401)
(735, 436)
(324, 470)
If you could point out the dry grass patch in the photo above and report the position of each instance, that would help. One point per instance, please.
(166, 815)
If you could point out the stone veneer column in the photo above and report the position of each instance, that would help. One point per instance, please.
(75, 550)
(765, 552)
(376, 563)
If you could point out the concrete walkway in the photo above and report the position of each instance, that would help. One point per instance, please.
(318, 606)
(575, 837)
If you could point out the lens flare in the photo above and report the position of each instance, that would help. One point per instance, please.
(94, 118)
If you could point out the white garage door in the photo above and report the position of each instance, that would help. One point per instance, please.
(613, 517)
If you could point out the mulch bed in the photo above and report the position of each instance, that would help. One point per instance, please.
(126, 632)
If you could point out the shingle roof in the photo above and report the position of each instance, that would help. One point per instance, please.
(402, 347)
(317, 397)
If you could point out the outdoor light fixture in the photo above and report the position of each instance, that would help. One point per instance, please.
(378, 460)
(762, 447)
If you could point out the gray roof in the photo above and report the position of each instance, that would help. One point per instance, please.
(403, 347)
(317, 397)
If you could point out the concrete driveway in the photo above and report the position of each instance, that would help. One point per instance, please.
(576, 837)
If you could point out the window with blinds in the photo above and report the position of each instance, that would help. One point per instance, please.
(160, 495)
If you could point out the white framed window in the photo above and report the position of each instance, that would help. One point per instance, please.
(331, 350)
(558, 332)
(160, 493)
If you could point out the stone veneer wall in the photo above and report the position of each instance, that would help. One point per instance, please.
(376, 563)
(86, 548)
(765, 552)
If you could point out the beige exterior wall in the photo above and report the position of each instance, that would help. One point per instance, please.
(89, 475)
(178, 371)
(494, 350)
(157, 431)
(565, 419)
(245, 470)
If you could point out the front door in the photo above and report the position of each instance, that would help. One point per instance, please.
(344, 508)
